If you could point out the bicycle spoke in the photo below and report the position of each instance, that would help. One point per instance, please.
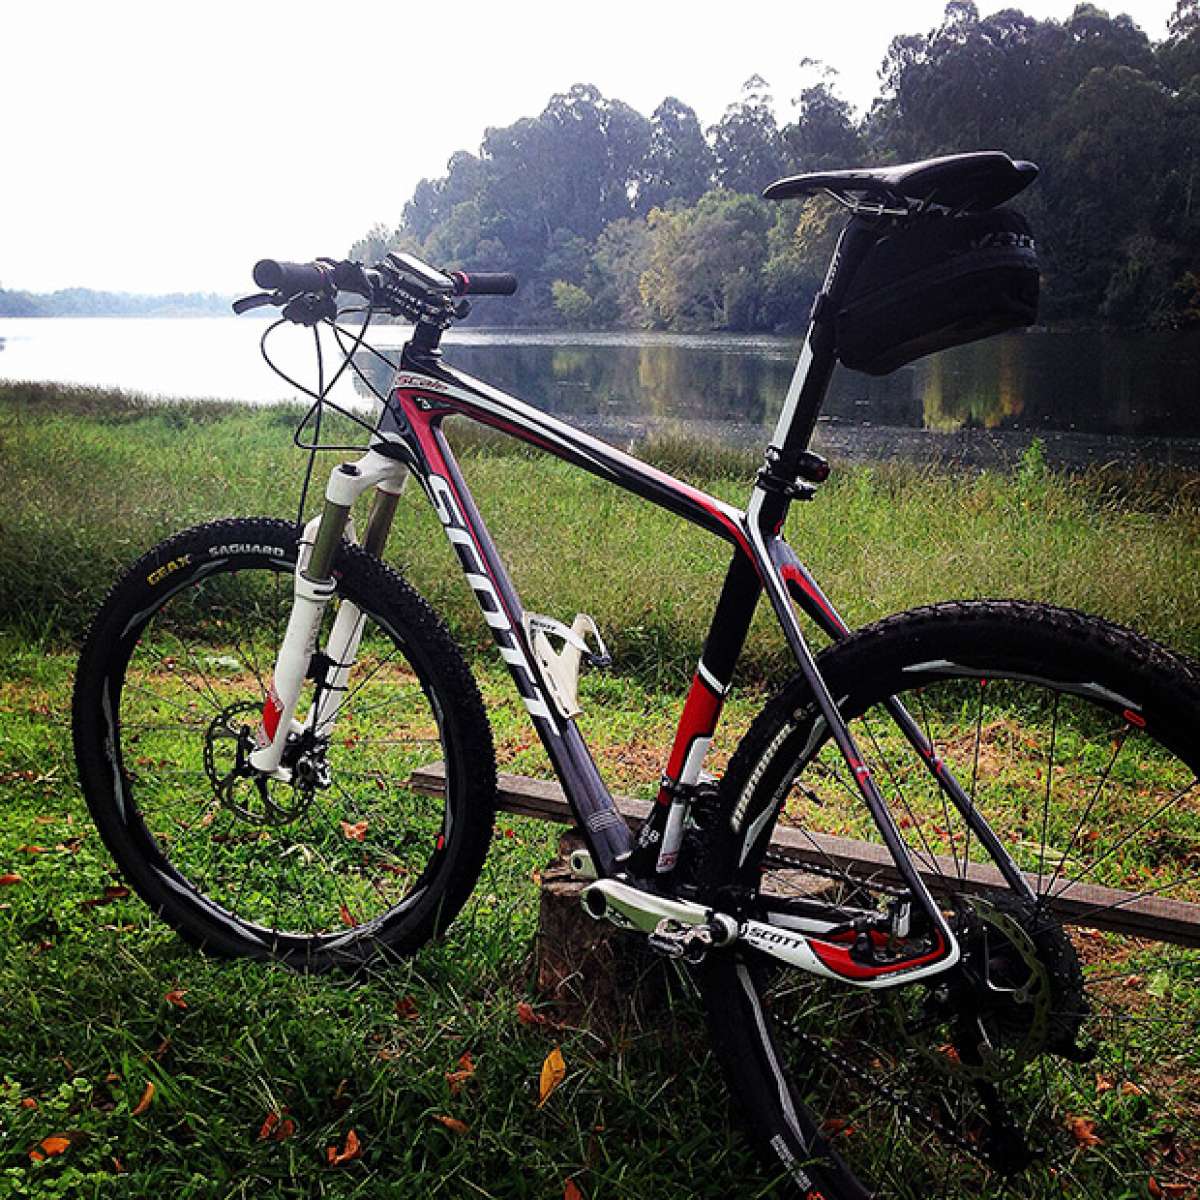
(1049, 791)
(1087, 812)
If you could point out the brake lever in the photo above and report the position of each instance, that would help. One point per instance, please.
(258, 300)
(310, 308)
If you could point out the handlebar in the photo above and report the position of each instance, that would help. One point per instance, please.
(290, 279)
(402, 285)
(484, 283)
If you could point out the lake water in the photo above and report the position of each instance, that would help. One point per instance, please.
(1091, 397)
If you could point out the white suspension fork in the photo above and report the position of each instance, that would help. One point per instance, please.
(313, 588)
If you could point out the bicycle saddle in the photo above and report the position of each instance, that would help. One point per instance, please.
(966, 182)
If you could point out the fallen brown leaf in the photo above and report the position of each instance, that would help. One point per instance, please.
(28, 1102)
(571, 1191)
(356, 832)
(1103, 1084)
(347, 916)
(837, 1127)
(406, 1007)
(350, 1151)
(118, 1167)
(1172, 1191)
(456, 1079)
(176, 997)
(32, 849)
(1128, 1088)
(113, 892)
(554, 1071)
(52, 1146)
(144, 1103)
(277, 1128)
(9, 880)
(1178, 1191)
(1083, 1130)
(452, 1123)
(528, 1015)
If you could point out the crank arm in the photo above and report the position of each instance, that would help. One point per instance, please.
(673, 922)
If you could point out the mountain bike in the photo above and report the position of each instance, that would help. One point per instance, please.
(942, 908)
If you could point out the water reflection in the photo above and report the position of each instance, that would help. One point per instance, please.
(1148, 385)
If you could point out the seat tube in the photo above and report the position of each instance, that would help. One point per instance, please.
(818, 356)
(702, 710)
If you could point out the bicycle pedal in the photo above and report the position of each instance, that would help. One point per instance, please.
(674, 939)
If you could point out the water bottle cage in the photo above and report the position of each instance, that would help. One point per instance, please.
(560, 668)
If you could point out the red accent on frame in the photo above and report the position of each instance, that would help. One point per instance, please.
(272, 711)
(419, 420)
(839, 960)
(1134, 718)
(701, 711)
(793, 575)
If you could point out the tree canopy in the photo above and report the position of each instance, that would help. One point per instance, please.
(613, 218)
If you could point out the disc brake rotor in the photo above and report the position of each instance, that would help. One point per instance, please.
(990, 1016)
(246, 793)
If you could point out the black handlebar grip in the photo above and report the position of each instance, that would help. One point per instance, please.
(484, 283)
(289, 278)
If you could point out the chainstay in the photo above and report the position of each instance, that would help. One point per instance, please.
(781, 860)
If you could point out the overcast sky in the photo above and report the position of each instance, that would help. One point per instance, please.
(165, 147)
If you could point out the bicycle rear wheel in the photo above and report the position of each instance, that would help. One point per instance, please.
(345, 860)
(1061, 1056)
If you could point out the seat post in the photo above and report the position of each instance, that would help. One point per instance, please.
(814, 368)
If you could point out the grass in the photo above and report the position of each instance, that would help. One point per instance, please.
(88, 1026)
(92, 478)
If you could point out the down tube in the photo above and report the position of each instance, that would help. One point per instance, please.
(604, 828)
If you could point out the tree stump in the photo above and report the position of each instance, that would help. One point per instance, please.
(596, 975)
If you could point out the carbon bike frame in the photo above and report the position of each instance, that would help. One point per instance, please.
(425, 391)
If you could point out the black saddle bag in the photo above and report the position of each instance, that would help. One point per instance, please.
(941, 281)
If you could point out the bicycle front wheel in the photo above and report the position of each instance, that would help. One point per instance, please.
(1061, 1055)
(346, 858)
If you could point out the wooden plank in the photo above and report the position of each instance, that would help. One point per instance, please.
(1158, 918)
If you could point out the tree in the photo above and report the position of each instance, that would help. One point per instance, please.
(1179, 55)
(746, 142)
(591, 194)
(705, 263)
(572, 303)
(621, 256)
(824, 136)
(679, 163)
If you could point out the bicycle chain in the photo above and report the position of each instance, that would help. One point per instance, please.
(898, 1099)
(782, 860)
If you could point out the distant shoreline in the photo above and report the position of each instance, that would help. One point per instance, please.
(88, 302)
